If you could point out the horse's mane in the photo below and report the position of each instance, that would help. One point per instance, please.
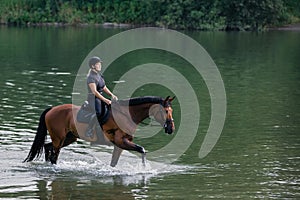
(141, 100)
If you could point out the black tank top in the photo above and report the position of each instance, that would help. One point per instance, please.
(98, 79)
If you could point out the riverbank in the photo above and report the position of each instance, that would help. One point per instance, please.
(61, 24)
(286, 27)
(179, 15)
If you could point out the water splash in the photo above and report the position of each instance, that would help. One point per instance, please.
(95, 165)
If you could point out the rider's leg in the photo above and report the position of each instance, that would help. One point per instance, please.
(98, 109)
(94, 119)
(90, 129)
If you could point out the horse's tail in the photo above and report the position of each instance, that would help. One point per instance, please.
(39, 140)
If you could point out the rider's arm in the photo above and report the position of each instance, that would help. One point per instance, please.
(97, 94)
(107, 91)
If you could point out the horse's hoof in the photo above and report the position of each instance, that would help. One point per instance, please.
(143, 151)
(140, 149)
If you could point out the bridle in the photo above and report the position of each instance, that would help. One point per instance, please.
(166, 112)
(169, 124)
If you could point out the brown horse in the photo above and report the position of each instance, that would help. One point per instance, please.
(124, 116)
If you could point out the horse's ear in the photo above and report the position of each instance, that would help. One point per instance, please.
(170, 100)
(167, 98)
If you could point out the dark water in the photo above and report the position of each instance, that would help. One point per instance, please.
(257, 155)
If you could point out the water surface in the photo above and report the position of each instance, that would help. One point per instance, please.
(257, 155)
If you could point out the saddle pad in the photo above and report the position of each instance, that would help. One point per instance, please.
(84, 115)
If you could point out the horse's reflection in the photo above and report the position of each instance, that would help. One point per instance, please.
(115, 187)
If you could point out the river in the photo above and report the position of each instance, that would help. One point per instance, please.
(257, 154)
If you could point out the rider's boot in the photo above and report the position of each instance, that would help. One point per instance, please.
(90, 129)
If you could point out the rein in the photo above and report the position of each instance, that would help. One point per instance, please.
(144, 123)
(147, 124)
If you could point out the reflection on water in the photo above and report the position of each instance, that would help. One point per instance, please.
(257, 155)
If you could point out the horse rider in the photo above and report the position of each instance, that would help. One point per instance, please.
(96, 87)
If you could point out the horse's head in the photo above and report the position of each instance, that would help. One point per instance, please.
(169, 123)
(163, 114)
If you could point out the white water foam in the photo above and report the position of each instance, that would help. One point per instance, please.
(96, 165)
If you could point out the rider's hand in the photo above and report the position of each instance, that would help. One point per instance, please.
(107, 101)
(114, 97)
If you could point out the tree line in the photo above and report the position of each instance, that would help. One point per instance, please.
(175, 14)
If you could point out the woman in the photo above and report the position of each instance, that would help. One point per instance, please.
(96, 87)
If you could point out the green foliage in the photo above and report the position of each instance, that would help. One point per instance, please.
(293, 10)
(252, 14)
(176, 14)
(192, 14)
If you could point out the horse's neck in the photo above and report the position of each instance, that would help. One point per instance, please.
(141, 112)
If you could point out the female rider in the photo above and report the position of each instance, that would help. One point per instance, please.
(96, 87)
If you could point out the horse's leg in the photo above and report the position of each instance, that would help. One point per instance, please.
(54, 155)
(129, 145)
(135, 147)
(115, 156)
(48, 150)
(124, 141)
(58, 137)
(50, 153)
(70, 138)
